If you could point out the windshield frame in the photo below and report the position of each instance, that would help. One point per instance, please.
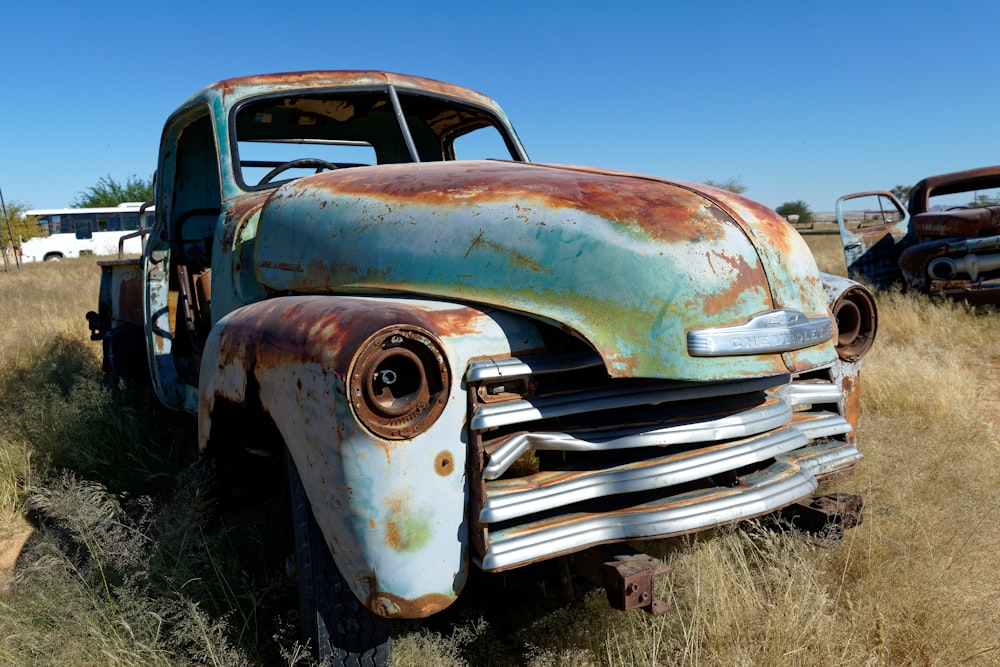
(496, 120)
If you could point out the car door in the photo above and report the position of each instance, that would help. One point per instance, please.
(874, 229)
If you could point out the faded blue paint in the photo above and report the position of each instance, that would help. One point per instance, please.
(620, 284)
(385, 510)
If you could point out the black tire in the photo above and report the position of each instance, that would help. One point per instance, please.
(125, 355)
(339, 629)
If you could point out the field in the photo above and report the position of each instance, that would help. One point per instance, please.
(98, 481)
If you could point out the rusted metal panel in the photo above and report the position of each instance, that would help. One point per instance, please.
(121, 293)
(626, 575)
(872, 252)
(968, 180)
(629, 580)
(825, 517)
(526, 237)
(388, 507)
(967, 223)
(950, 253)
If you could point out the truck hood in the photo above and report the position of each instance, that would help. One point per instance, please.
(629, 263)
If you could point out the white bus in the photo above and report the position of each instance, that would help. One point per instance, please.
(71, 232)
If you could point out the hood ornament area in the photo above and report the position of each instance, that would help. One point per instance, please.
(774, 331)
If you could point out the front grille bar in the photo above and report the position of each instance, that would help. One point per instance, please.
(759, 493)
(639, 459)
(761, 419)
(522, 496)
(562, 405)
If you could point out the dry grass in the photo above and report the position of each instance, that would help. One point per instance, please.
(915, 584)
(42, 302)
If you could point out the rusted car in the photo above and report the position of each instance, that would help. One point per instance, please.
(462, 359)
(945, 242)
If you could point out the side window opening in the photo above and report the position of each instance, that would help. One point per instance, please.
(195, 209)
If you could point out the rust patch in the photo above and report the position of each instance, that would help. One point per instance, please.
(238, 216)
(659, 209)
(747, 278)
(130, 301)
(852, 406)
(394, 606)
(963, 222)
(321, 79)
(405, 529)
(444, 464)
(455, 322)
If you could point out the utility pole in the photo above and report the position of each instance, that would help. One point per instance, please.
(10, 236)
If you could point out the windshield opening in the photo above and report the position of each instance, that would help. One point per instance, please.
(280, 138)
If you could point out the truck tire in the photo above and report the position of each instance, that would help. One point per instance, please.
(339, 629)
(125, 355)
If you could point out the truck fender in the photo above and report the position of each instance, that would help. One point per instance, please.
(388, 488)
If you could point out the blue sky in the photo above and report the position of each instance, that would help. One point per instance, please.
(799, 100)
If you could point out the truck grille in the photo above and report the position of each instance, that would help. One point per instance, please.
(565, 458)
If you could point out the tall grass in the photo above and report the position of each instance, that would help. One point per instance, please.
(118, 571)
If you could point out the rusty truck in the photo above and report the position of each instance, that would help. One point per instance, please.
(945, 240)
(460, 360)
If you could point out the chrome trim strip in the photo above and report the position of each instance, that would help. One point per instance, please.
(510, 367)
(820, 424)
(807, 393)
(510, 499)
(775, 331)
(543, 407)
(763, 418)
(825, 457)
(771, 489)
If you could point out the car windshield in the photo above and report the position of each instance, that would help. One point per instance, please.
(971, 198)
(279, 138)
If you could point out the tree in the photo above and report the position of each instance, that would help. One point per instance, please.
(731, 184)
(21, 226)
(799, 208)
(980, 200)
(108, 192)
(902, 193)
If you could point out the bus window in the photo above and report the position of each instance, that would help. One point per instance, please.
(84, 225)
(129, 221)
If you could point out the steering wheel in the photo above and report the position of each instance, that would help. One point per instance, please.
(304, 162)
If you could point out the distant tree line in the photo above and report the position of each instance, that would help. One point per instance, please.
(109, 192)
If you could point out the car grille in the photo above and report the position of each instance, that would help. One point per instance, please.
(565, 458)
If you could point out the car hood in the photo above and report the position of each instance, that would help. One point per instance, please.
(628, 263)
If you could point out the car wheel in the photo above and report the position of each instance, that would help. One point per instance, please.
(339, 629)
